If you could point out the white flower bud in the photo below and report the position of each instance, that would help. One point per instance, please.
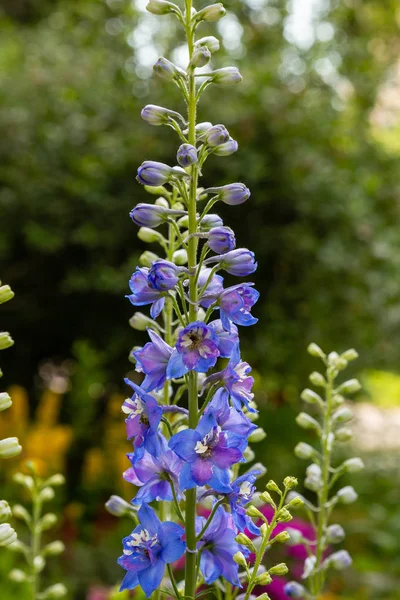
(350, 387)
(17, 575)
(25, 480)
(161, 7)
(313, 480)
(305, 421)
(54, 548)
(258, 435)
(310, 397)
(315, 351)
(226, 76)
(7, 534)
(340, 560)
(350, 355)
(5, 511)
(57, 479)
(347, 495)
(248, 454)
(148, 235)
(55, 591)
(304, 451)
(210, 13)
(48, 521)
(5, 340)
(259, 467)
(162, 202)
(240, 559)
(9, 447)
(295, 536)
(211, 42)
(46, 494)
(344, 434)
(317, 379)
(335, 534)
(20, 512)
(342, 415)
(38, 564)
(180, 257)
(5, 401)
(353, 465)
(117, 506)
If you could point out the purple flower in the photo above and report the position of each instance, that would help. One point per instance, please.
(232, 193)
(163, 275)
(294, 590)
(210, 221)
(242, 492)
(208, 452)
(153, 475)
(143, 293)
(196, 349)
(227, 340)
(216, 135)
(152, 360)
(152, 215)
(153, 173)
(150, 547)
(239, 262)
(221, 239)
(228, 418)
(235, 304)
(186, 155)
(219, 546)
(144, 416)
(158, 115)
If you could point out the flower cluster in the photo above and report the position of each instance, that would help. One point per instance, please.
(330, 423)
(189, 459)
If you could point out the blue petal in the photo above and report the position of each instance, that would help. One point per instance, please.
(151, 578)
(157, 307)
(183, 443)
(130, 581)
(149, 519)
(220, 481)
(170, 536)
(176, 367)
(207, 422)
(210, 566)
(186, 481)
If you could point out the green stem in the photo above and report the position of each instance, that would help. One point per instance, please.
(210, 518)
(35, 540)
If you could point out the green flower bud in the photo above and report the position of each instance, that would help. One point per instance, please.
(264, 530)
(5, 511)
(39, 564)
(46, 494)
(248, 454)
(20, 512)
(9, 447)
(311, 397)
(272, 487)
(342, 415)
(305, 421)
(315, 351)
(350, 355)
(17, 576)
(347, 495)
(338, 400)
(280, 569)
(267, 498)
(6, 294)
(353, 465)
(5, 340)
(317, 379)
(290, 482)
(259, 467)
(344, 434)
(180, 257)
(7, 534)
(140, 321)
(296, 502)
(161, 7)
(148, 235)
(350, 387)
(200, 57)
(264, 596)
(210, 13)
(240, 559)
(282, 537)
(48, 521)
(5, 401)
(284, 516)
(54, 548)
(162, 202)
(55, 591)
(263, 579)
(258, 435)
(252, 511)
(147, 258)
(25, 480)
(304, 451)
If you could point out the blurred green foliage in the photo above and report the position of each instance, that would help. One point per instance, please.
(315, 147)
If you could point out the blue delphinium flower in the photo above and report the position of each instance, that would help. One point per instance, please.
(227, 340)
(186, 155)
(196, 349)
(227, 417)
(144, 416)
(242, 492)
(218, 548)
(143, 293)
(239, 262)
(153, 173)
(163, 275)
(235, 304)
(221, 239)
(152, 215)
(208, 452)
(152, 360)
(153, 475)
(213, 289)
(150, 547)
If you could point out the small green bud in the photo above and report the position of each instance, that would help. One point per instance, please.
(296, 502)
(258, 435)
(162, 202)
(249, 454)
(25, 480)
(19, 546)
(353, 465)
(9, 447)
(5, 511)
(272, 487)
(183, 222)
(350, 387)
(313, 480)
(20, 512)
(5, 340)
(6, 294)
(158, 190)
(161, 7)
(342, 415)
(7, 534)
(315, 351)
(55, 591)
(149, 235)
(147, 258)
(347, 495)
(338, 400)
(350, 355)
(311, 397)
(140, 321)
(252, 511)
(264, 530)
(263, 579)
(5, 401)
(344, 434)
(280, 569)
(267, 498)
(240, 559)
(290, 482)
(264, 596)
(17, 576)
(210, 13)
(304, 451)
(180, 257)
(317, 379)
(46, 494)
(242, 538)
(54, 548)
(284, 516)
(39, 564)
(282, 537)
(305, 421)
(48, 521)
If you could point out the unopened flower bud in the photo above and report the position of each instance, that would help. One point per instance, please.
(350, 355)
(290, 482)
(46, 494)
(284, 516)
(272, 487)
(148, 235)
(294, 590)
(210, 13)
(147, 258)
(55, 591)
(186, 155)
(249, 454)
(232, 193)
(303, 450)
(260, 468)
(313, 480)
(221, 240)
(5, 511)
(263, 579)
(240, 559)
(7, 534)
(201, 129)
(5, 340)
(267, 498)
(158, 115)
(6, 293)
(20, 512)
(258, 435)
(180, 257)
(216, 135)
(305, 421)
(338, 400)
(350, 387)
(296, 502)
(57, 479)
(347, 495)
(264, 530)
(280, 569)
(344, 434)
(239, 262)
(17, 575)
(252, 511)
(161, 7)
(54, 548)
(200, 57)
(340, 560)
(244, 540)
(282, 537)
(38, 564)
(48, 521)
(9, 447)
(226, 149)
(210, 42)
(295, 536)
(163, 275)
(226, 76)
(310, 397)
(210, 221)
(166, 70)
(152, 173)
(343, 415)
(264, 596)
(335, 534)
(353, 465)
(5, 401)
(25, 480)
(117, 506)
(315, 351)
(317, 379)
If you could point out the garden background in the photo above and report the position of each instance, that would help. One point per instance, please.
(317, 119)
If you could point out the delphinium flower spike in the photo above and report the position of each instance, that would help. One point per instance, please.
(9, 447)
(189, 460)
(35, 554)
(330, 423)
